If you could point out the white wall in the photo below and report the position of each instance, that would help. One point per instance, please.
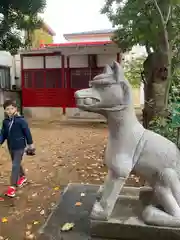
(78, 61)
(17, 61)
(84, 50)
(53, 62)
(33, 62)
(104, 59)
(37, 62)
(43, 113)
(89, 39)
(6, 59)
(75, 61)
(17, 66)
(81, 61)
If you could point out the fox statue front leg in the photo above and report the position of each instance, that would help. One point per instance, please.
(102, 209)
(100, 191)
(109, 192)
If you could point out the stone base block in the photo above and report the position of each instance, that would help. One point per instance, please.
(126, 223)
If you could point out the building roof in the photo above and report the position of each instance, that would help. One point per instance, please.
(48, 29)
(73, 44)
(96, 32)
(58, 46)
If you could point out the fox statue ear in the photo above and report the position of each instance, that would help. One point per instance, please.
(118, 72)
(107, 69)
(120, 78)
(127, 96)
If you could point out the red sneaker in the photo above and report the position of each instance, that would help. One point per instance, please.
(11, 192)
(1, 199)
(21, 181)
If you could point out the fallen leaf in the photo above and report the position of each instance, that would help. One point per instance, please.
(42, 212)
(67, 227)
(4, 220)
(78, 204)
(35, 222)
(28, 233)
(30, 237)
(53, 204)
(34, 194)
(56, 188)
(97, 179)
(29, 226)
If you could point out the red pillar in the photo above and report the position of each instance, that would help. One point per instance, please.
(68, 83)
(44, 66)
(63, 79)
(68, 74)
(22, 72)
(22, 85)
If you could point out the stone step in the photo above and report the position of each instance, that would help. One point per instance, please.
(130, 228)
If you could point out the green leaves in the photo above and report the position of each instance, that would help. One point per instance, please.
(11, 41)
(15, 16)
(139, 22)
(174, 2)
(164, 127)
(133, 69)
(134, 21)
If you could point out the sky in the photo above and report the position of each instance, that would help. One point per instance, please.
(68, 16)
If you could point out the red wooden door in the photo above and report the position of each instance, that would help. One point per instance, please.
(78, 78)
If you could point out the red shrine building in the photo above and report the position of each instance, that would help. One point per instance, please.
(51, 74)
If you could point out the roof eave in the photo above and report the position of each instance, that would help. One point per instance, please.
(81, 44)
(98, 32)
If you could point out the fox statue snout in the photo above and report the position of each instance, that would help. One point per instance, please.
(87, 99)
(108, 91)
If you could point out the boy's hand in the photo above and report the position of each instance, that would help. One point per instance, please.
(31, 146)
(30, 150)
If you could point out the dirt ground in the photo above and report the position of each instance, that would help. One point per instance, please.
(66, 152)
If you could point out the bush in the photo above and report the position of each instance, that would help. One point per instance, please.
(164, 127)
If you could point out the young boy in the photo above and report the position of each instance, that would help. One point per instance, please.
(17, 133)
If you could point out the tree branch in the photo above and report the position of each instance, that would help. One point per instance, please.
(168, 14)
(164, 26)
(160, 12)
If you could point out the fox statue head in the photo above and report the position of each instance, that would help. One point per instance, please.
(109, 91)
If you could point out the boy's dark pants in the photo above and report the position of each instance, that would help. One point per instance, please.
(17, 170)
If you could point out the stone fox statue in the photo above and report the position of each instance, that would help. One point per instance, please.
(130, 146)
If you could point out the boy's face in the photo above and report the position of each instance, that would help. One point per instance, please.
(10, 110)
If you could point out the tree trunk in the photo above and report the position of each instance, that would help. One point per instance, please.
(155, 85)
(157, 69)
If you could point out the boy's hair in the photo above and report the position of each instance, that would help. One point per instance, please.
(8, 103)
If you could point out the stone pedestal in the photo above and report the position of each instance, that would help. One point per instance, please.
(124, 223)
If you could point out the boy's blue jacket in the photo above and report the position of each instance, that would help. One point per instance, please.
(17, 133)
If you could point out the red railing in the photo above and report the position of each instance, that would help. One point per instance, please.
(46, 88)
